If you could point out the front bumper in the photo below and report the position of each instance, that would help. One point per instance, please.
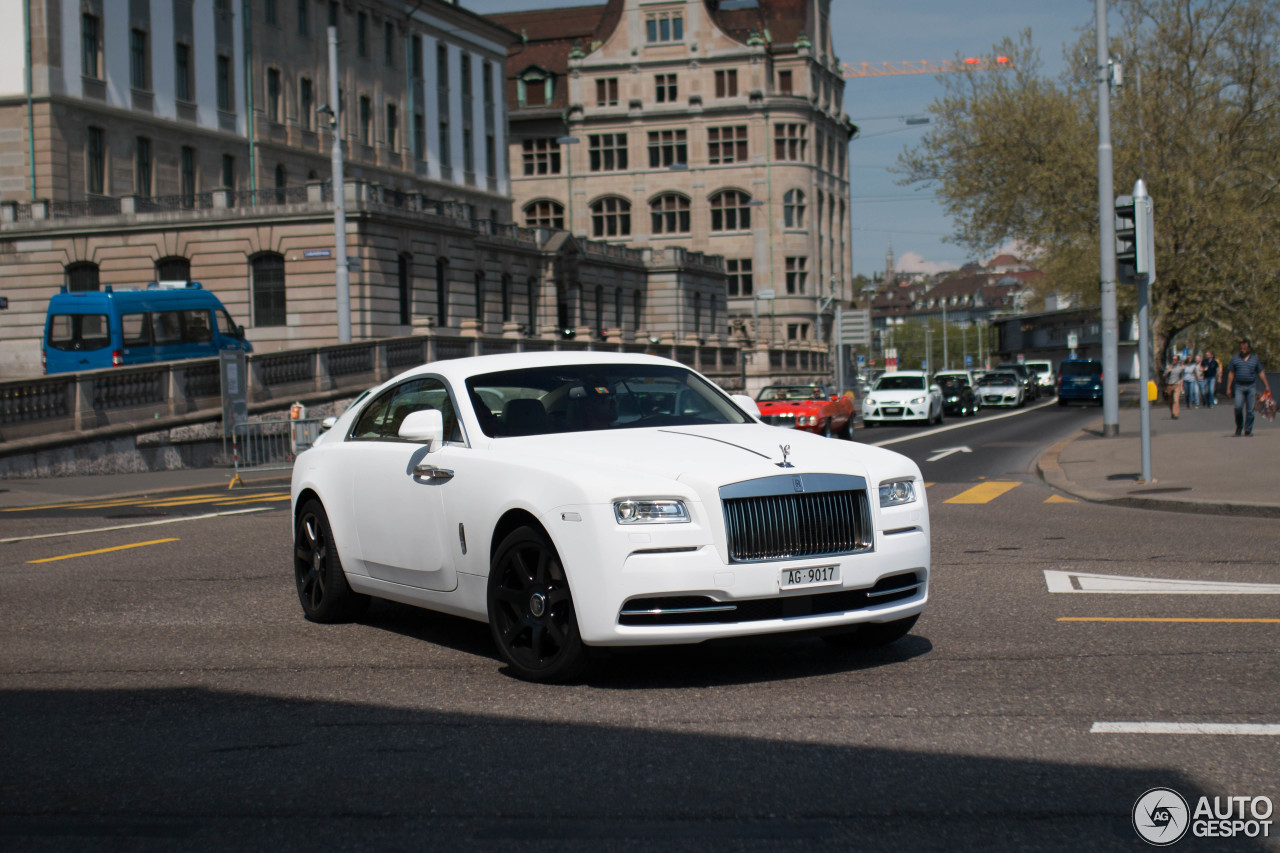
(1003, 398)
(896, 412)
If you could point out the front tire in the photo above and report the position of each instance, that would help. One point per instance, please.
(317, 569)
(871, 635)
(531, 614)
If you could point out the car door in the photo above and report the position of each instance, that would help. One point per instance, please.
(400, 518)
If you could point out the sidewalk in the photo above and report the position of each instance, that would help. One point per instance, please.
(1197, 463)
(54, 490)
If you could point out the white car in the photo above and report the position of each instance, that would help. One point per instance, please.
(999, 388)
(906, 395)
(582, 500)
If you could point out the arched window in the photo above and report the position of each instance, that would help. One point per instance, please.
(617, 307)
(442, 291)
(599, 311)
(404, 287)
(713, 319)
(506, 297)
(697, 313)
(611, 217)
(268, 290)
(544, 214)
(82, 276)
(729, 211)
(532, 286)
(173, 269)
(480, 298)
(793, 209)
(670, 214)
(637, 309)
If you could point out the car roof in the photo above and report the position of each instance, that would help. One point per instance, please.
(904, 373)
(457, 369)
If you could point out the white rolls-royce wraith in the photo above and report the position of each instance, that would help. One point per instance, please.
(581, 500)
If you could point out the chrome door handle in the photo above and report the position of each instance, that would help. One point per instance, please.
(431, 472)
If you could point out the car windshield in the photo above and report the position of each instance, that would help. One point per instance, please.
(898, 382)
(999, 379)
(775, 393)
(951, 384)
(589, 397)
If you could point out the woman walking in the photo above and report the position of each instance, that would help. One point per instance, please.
(1173, 385)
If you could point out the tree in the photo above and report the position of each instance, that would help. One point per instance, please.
(1013, 156)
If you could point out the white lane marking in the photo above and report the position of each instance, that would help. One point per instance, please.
(960, 425)
(139, 524)
(1081, 582)
(1268, 729)
(943, 454)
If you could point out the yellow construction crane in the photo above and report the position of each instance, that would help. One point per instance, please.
(923, 66)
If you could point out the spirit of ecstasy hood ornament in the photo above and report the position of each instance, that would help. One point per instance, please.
(786, 451)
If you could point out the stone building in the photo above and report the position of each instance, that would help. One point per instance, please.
(715, 125)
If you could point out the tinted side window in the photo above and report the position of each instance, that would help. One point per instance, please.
(136, 329)
(227, 326)
(383, 417)
(75, 332)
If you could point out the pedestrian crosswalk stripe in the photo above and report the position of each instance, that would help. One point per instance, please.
(983, 492)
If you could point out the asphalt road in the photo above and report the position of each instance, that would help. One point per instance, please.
(168, 694)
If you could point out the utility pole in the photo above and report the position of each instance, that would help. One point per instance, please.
(341, 273)
(1107, 235)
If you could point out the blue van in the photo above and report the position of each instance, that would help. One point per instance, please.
(166, 321)
(1079, 379)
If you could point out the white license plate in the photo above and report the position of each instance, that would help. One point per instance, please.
(896, 411)
(811, 576)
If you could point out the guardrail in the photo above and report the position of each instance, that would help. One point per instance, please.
(270, 445)
(121, 396)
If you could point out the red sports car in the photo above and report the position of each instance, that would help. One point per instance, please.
(812, 408)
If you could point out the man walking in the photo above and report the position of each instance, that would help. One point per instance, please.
(1210, 367)
(1243, 372)
(1173, 385)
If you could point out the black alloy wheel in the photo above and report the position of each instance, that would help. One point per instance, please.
(322, 585)
(531, 612)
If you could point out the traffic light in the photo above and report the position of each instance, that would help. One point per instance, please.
(1135, 240)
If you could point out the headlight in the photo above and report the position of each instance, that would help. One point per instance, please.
(649, 512)
(808, 420)
(915, 401)
(897, 492)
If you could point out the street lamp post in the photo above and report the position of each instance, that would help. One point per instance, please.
(341, 272)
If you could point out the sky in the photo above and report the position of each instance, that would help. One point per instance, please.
(882, 211)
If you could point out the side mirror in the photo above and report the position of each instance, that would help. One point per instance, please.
(328, 423)
(747, 404)
(240, 332)
(425, 426)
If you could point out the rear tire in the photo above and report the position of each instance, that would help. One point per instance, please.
(871, 635)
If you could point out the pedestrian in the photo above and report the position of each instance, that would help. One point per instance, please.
(1207, 387)
(1173, 385)
(1191, 382)
(1243, 373)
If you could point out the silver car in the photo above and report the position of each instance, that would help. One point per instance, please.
(1001, 388)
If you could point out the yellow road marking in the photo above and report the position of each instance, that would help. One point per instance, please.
(1059, 499)
(983, 492)
(259, 499)
(102, 550)
(1160, 619)
(74, 505)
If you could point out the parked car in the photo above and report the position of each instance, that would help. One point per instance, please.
(958, 397)
(572, 501)
(812, 408)
(1079, 379)
(906, 395)
(116, 327)
(1044, 375)
(1030, 383)
(1001, 388)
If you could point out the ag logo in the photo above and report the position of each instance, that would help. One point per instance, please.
(1161, 816)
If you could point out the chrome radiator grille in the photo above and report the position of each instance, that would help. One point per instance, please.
(799, 524)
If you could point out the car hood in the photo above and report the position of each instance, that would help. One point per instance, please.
(897, 396)
(773, 407)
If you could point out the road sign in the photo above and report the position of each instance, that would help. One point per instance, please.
(767, 293)
(1073, 341)
(968, 361)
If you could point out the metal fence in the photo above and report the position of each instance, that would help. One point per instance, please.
(270, 445)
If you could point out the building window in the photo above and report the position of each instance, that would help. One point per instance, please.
(607, 92)
(667, 148)
(531, 294)
(228, 171)
(535, 88)
(541, 156)
(740, 278)
(442, 89)
(490, 121)
(273, 95)
(224, 83)
(617, 307)
(697, 314)
(544, 214)
(669, 214)
(419, 136)
(607, 152)
(138, 77)
(637, 309)
(182, 72)
(404, 288)
(90, 47)
(306, 104)
(442, 292)
(187, 168)
(268, 290)
(173, 269)
(362, 34)
(142, 166)
(269, 12)
(393, 129)
(789, 141)
(611, 217)
(389, 43)
(507, 314)
(729, 211)
(727, 144)
(785, 86)
(333, 13)
(793, 209)
(468, 138)
(303, 27)
(796, 276)
(818, 139)
(665, 26)
(665, 90)
(95, 160)
(599, 311)
(82, 276)
(727, 83)
(281, 182)
(366, 120)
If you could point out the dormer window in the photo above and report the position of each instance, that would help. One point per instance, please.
(535, 87)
